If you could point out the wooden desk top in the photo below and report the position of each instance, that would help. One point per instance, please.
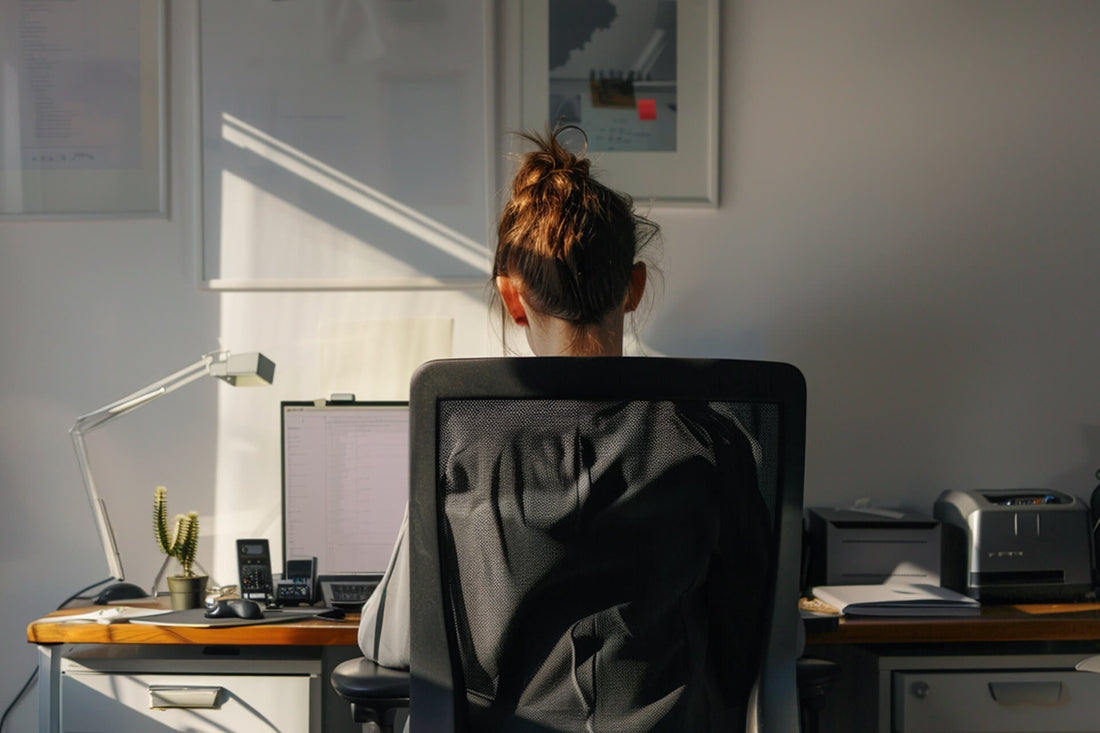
(1032, 622)
(304, 632)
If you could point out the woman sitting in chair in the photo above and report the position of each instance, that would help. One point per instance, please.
(567, 272)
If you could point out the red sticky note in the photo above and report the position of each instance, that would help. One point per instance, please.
(647, 109)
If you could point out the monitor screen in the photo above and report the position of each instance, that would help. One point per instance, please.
(345, 482)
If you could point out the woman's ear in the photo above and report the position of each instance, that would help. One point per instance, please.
(509, 293)
(636, 287)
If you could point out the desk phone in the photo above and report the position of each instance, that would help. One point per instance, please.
(297, 585)
(349, 591)
(254, 568)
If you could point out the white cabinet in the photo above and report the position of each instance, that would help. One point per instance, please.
(992, 687)
(994, 701)
(206, 703)
(173, 690)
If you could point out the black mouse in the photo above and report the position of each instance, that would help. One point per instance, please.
(235, 608)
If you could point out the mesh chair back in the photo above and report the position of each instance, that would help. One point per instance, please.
(600, 544)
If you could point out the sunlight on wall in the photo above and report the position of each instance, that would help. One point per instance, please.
(271, 238)
(272, 232)
(366, 343)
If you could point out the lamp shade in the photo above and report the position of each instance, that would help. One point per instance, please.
(245, 370)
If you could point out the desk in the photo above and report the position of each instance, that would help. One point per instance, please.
(916, 674)
(90, 669)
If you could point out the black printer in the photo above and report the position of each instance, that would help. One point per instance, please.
(1016, 545)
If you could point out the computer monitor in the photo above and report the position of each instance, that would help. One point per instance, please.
(345, 482)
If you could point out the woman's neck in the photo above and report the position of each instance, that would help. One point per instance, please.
(549, 336)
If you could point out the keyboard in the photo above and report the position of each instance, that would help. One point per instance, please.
(349, 591)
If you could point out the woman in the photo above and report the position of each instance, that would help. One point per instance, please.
(567, 272)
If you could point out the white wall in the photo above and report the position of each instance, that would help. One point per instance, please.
(910, 213)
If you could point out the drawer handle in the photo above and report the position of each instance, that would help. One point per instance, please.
(1026, 693)
(162, 697)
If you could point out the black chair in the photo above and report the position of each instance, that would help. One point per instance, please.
(492, 606)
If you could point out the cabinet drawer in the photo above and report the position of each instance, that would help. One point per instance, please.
(94, 702)
(1059, 701)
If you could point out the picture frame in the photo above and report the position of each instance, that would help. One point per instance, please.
(344, 146)
(86, 134)
(642, 81)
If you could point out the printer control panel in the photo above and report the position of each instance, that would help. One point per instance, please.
(1014, 499)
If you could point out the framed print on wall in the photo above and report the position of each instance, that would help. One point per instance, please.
(82, 91)
(640, 77)
(345, 145)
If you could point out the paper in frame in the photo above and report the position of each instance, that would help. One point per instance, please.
(83, 90)
(346, 146)
(679, 173)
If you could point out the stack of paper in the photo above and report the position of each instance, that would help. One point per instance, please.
(105, 615)
(897, 600)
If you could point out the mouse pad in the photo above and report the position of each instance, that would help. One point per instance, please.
(196, 617)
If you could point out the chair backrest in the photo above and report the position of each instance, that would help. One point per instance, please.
(588, 534)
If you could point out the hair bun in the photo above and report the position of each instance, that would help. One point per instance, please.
(551, 172)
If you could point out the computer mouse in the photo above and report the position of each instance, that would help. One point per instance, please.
(235, 608)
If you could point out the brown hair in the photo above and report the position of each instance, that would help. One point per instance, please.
(571, 241)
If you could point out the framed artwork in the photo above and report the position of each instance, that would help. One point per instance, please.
(640, 77)
(83, 96)
(345, 145)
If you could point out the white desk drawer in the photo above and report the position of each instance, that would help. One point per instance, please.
(1060, 701)
(94, 702)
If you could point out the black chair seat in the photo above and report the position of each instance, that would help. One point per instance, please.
(362, 680)
(375, 692)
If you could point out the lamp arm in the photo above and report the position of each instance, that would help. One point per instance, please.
(159, 388)
(86, 423)
(99, 509)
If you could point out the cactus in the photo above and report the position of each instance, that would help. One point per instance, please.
(183, 542)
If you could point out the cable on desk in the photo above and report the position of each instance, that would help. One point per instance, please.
(30, 680)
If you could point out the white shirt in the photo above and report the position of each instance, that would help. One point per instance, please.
(384, 625)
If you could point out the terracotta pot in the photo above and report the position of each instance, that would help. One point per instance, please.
(187, 591)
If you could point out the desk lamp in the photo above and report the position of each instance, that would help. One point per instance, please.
(237, 369)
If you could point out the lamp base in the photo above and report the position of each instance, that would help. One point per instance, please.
(120, 592)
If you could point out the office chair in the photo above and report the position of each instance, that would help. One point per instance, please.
(546, 608)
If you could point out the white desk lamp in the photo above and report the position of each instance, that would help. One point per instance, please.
(236, 369)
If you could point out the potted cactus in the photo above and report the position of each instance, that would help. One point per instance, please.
(187, 590)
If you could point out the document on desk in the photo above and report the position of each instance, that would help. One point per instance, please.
(106, 615)
(896, 599)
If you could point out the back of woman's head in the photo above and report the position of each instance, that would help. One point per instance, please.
(570, 241)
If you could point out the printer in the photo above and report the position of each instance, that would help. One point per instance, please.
(1016, 545)
(864, 545)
